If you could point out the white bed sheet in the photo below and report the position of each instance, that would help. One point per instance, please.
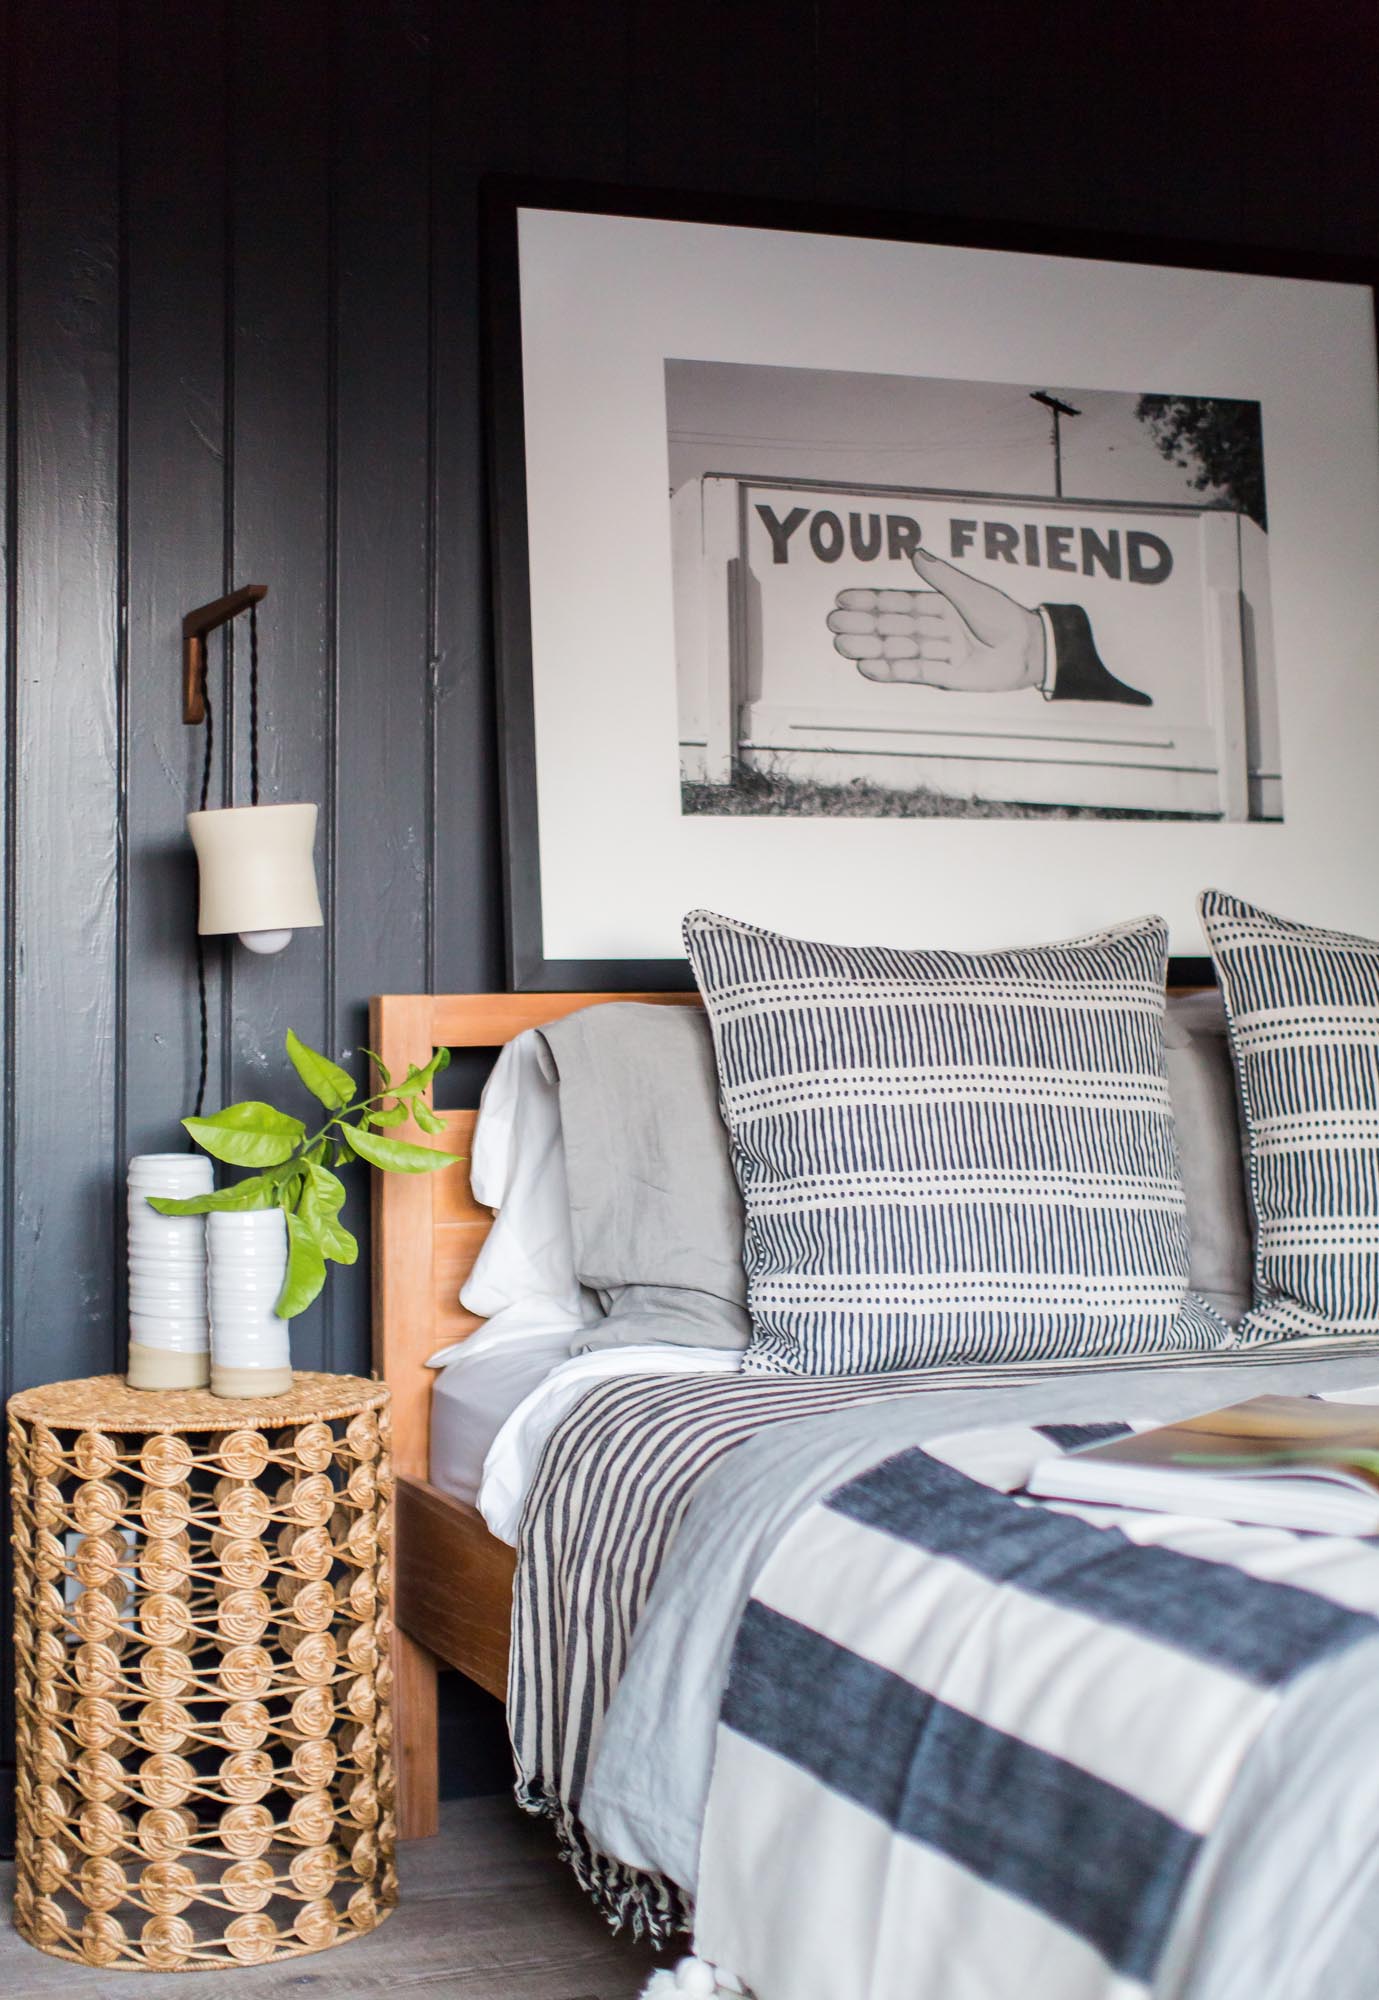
(516, 1451)
(496, 1403)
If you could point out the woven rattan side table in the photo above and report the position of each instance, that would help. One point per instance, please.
(202, 1675)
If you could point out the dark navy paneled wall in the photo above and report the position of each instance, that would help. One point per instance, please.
(239, 277)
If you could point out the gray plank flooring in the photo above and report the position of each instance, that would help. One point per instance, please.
(488, 1912)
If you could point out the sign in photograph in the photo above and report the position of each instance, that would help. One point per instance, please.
(979, 648)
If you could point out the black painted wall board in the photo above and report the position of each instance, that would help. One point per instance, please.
(381, 845)
(175, 167)
(879, 75)
(769, 84)
(245, 328)
(8, 693)
(480, 123)
(577, 84)
(68, 713)
(675, 117)
(8, 697)
(284, 422)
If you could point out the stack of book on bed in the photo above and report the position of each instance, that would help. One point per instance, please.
(1277, 1461)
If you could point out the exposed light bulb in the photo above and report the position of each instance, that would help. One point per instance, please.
(265, 942)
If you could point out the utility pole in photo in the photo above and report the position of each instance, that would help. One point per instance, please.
(1057, 411)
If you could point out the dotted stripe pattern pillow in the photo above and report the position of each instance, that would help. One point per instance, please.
(1303, 1008)
(951, 1157)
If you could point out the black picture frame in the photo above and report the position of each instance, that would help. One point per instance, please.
(530, 969)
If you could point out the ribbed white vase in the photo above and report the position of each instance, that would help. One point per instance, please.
(169, 1346)
(246, 1266)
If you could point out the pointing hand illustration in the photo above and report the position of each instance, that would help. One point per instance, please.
(960, 633)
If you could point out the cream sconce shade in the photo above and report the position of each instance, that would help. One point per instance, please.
(258, 875)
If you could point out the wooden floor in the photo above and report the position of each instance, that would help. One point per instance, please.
(488, 1912)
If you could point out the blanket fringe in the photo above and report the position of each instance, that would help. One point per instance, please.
(692, 1979)
(648, 1905)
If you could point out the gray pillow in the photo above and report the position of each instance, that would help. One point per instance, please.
(654, 1206)
(1206, 1115)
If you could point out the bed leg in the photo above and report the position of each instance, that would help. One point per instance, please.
(415, 1741)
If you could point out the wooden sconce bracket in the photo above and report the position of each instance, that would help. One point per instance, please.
(195, 626)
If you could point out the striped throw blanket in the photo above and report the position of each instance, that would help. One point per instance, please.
(614, 1485)
(973, 1744)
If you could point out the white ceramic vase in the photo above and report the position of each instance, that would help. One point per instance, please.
(169, 1347)
(246, 1265)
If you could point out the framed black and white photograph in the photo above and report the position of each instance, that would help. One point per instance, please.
(883, 587)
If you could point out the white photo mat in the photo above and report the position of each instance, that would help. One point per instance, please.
(607, 299)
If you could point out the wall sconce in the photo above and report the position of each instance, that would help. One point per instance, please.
(258, 877)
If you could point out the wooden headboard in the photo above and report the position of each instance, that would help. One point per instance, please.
(427, 1228)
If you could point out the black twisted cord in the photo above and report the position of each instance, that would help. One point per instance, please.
(205, 1031)
(210, 744)
(253, 704)
(200, 941)
(205, 799)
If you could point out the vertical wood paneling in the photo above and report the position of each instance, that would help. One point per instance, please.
(68, 806)
(383, 664)
(576, 66)
(9, 687)
(281, 147)
(480, 123)
(769, 108)
(176, 415)
(877, 74)
(8, 691)
(677, 56)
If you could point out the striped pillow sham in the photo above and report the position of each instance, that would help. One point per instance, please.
(951, 1157)
(1303, 1009)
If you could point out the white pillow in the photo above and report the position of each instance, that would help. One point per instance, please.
(523, 1282)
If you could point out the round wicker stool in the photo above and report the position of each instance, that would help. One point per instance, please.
(202, 1673)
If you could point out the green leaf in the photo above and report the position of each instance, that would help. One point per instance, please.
(259, 1191)
(396, 1156)
(332, 1086)
(396, 1114)
(426, 1117)
(338, 1244)
(419, 1079)
(326, 1191)
(323, 1196)
(383, 1074)
(440, 1059)
(248, 1135)
(306, 1270)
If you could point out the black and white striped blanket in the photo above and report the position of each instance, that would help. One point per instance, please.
(615, 1483)
(972, 1743)
(612, 1488)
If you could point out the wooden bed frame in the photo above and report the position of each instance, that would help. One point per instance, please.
(453, 1579)
(453, 1586)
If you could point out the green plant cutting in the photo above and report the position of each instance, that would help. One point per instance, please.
(296, 1168)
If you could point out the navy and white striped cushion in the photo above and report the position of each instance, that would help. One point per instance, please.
(1303, 1008)
(951, 1156)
